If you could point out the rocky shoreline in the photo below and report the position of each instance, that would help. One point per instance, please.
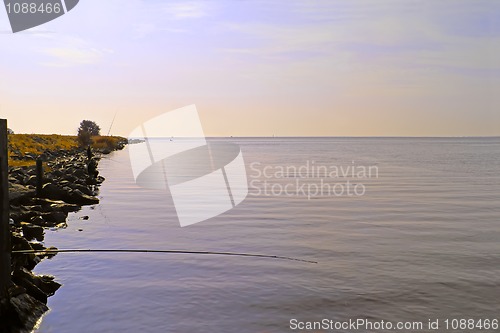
(70, 181)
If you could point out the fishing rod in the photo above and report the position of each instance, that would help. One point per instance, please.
(52, 251)
(112, 122)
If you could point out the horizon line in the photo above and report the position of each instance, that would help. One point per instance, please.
(330, 136)
(294, 136)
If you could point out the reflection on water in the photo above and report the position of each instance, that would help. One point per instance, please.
(421, 243)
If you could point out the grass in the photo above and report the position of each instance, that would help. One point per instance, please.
(23, 145)
(107, 142)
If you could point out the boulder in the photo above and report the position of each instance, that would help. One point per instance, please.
(79, 173)
(70, 178)
(37, 246)
(47, 284)
(21, 260)
(37, 220)
(31, 231)
(65, 207)
(26, 279)
(57, 173)
(26, 314)
(84, 189)
(49, 205)
(55, 216)
(30, 180)
(79, 198)
(19, 193)
(21, 213)
(52, 191)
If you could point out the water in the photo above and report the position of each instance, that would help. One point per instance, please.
(422, 242)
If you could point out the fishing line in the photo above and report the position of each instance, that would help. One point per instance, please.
(236, 254)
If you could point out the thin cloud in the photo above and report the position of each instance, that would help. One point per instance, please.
(378, 36)
(142, 30)
(74, 56)
(186, 10)
(69, 51)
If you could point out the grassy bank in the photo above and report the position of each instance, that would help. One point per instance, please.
(25, 148)
(109, 143)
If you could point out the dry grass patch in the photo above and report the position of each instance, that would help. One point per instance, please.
(23, 145)
(107, 142)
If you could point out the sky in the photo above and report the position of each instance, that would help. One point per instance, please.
(259, 68)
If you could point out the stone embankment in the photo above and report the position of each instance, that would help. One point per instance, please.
(70, 180)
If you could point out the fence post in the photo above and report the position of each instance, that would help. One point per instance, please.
(39, 177)
(5, 249)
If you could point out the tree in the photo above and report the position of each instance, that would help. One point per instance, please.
(90, 127)
(86, 131)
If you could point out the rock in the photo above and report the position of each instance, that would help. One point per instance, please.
(18, 172)
(37, 246)
(19, 243)
(37, 220)
(16, 291)
(94, 181)
(55, 216)
(49, 205)
(65, 207)
(43, 283)
(84, 189)
(47, 284)
(25, 279)
(19, 193)
(26, 313)
(70, 178)
(48, 253)
(79, 173)
(29, 156)
(64, 183)
(22, 214)
(31, 231)
(32, 263)
(77, 197)
(52, 191)
(57, 173)
(62, 225)
(32, 208)
(31, 180)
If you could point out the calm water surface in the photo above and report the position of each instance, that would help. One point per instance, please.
(422, 242)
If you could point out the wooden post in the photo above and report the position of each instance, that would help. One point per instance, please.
(39, 177)
(5, 249)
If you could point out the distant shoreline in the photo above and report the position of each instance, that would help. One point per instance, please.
(330, 137)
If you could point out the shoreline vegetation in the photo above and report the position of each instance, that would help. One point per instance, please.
(25, 148)
(70, 180)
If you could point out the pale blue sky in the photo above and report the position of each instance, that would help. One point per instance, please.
(260, 67)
